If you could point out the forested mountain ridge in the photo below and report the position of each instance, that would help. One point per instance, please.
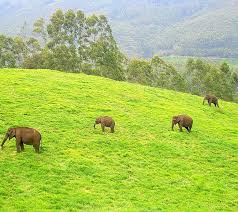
(147, 27)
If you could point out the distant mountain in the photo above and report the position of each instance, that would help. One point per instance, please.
(146, 27)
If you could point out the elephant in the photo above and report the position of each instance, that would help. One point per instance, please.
(105, 121)
(211, 99)
(183, 121)
(24, 135)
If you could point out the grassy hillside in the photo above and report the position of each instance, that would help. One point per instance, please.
(143, 165)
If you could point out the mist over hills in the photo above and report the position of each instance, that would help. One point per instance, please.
(146, 27)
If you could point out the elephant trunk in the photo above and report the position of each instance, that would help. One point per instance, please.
(4, 140)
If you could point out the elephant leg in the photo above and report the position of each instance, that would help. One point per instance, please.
(103, 127)
(37, 148)
(187, 128)
(180, 127)
(22, 146)
(209, 102)
(18, 144)
(18, 148)
(112, 129)
(173, 127)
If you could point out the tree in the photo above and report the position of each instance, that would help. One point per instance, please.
(203, 77)
(139, 71)
(39, 28)
(155, 72)
(79, 43)
(23, 31)
(225, 68)
(166, 75)
(104, 54)
(12, 51)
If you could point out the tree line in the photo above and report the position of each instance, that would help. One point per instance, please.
(73, 42)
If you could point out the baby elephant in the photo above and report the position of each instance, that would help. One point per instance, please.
(105, 121)
(211, 99)
(24, 135)
(182, 121)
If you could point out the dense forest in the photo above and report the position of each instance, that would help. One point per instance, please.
(143, 28)
(74, 42)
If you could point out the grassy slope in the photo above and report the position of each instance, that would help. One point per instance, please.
(143, 165)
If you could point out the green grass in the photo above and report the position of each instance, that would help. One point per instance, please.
(142, 166)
